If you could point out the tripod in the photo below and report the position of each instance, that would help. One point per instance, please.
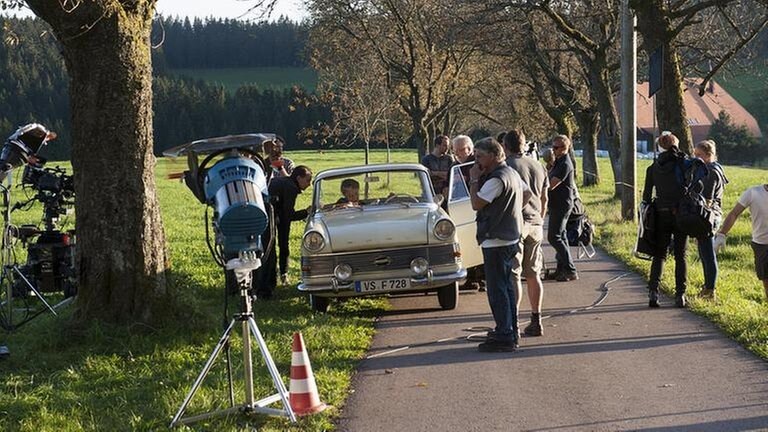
(249, 327)
(10, 273)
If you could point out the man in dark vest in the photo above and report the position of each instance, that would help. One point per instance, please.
(498, 196)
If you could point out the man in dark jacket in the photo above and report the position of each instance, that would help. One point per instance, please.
(663, 177)
(562, 193)
(282, 192)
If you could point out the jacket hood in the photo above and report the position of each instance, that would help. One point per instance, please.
(716, 167)
(667, 160)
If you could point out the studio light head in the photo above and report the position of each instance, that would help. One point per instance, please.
(231, 179)
(23, 145)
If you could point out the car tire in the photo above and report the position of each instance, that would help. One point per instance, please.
(318, 304)
(448, 296)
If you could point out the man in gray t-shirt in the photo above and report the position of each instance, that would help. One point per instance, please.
(533, 174)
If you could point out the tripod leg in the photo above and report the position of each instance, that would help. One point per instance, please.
(32, 287)
(219, 346)
(276, 379)
(247, 365)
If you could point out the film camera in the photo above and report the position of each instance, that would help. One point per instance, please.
(50, 252)
(50, 257)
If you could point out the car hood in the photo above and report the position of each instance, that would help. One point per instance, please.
(355, 229)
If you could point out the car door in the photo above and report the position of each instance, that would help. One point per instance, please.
(460, 210)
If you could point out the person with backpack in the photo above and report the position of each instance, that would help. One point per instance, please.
(662, 178)
(713, 190)
(561, 197)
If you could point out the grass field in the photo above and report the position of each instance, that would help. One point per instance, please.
(134, 377)
(275, 78)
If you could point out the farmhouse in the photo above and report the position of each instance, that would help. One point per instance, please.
(702, 111)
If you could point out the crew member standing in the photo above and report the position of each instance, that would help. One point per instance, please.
(534, 210)
(496, 191)
(561, 198)
(439, 163)
(662, 176)
(283, 192)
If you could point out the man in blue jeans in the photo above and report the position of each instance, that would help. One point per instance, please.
(498, 195)
(561, 198)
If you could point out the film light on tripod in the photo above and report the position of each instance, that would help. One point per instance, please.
(22, 146)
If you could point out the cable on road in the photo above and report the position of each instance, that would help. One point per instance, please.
(480, 333)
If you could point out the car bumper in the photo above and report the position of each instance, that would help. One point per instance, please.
(335, 288)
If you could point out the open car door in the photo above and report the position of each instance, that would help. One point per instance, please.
(460, 210)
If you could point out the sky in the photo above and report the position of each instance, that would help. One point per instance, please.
(293, 9)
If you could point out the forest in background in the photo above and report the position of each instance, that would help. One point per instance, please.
(34, 81)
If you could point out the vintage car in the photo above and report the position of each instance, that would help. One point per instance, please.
(395, 238)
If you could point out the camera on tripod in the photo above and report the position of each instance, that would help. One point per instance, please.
(49, 266)
(50, 258)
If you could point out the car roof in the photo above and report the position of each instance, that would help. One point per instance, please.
(359, 169)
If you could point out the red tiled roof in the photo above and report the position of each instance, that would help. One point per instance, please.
(701, 111)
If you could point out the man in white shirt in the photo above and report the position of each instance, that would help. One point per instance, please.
(756, 200)
(498, 195)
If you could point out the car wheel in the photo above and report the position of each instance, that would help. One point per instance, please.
(448, 296)
(318, 304)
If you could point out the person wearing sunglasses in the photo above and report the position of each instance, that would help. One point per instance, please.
(562, 193)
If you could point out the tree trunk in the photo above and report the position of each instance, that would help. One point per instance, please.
(589, 125)
(121, 253)
(419, 135)
(654, 25)
(610, 127)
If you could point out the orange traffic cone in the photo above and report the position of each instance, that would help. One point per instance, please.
(303, 390)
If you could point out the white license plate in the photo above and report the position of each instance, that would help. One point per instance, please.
(383, 285)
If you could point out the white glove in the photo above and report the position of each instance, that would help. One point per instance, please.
(719, 242)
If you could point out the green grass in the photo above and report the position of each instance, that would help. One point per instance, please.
(274, 78)
(741, 310)
(62, 377)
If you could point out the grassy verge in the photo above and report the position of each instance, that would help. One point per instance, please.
(741, 310)
(134, 377)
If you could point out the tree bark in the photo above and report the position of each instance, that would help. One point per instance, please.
(589, 126)
(121, 254)
(654, 25)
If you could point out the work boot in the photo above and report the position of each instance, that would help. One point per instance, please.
(707, 294)
(533, 329)
(653, 298)
(567, 276)
(680, 300)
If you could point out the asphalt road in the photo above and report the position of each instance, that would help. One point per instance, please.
(606, 362)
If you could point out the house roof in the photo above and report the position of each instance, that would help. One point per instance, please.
(701, 111)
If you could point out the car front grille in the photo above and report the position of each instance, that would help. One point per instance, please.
(380, 260)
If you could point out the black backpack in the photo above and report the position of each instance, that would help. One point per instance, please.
(693, 217)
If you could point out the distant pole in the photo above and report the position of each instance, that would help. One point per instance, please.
(628, 114)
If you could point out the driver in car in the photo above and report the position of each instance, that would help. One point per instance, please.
(350, 188)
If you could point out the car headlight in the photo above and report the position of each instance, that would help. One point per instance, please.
(313, 241)
(444, 229)
(419, 266)
(343, 272)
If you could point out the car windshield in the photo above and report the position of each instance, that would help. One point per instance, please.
(372, 188)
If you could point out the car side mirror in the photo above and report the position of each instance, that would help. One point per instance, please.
(439, 198)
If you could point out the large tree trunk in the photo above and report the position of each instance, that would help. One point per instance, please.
(656, 29)
(588, 121)
(419, 135)
(121, 251)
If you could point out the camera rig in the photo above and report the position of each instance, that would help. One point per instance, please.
(49, 265)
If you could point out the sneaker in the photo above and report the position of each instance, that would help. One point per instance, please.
(653, 299)
(533, 329)
(470, 286)
(707, 294)
(680, 300)
(494, 345)
(567, 276)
